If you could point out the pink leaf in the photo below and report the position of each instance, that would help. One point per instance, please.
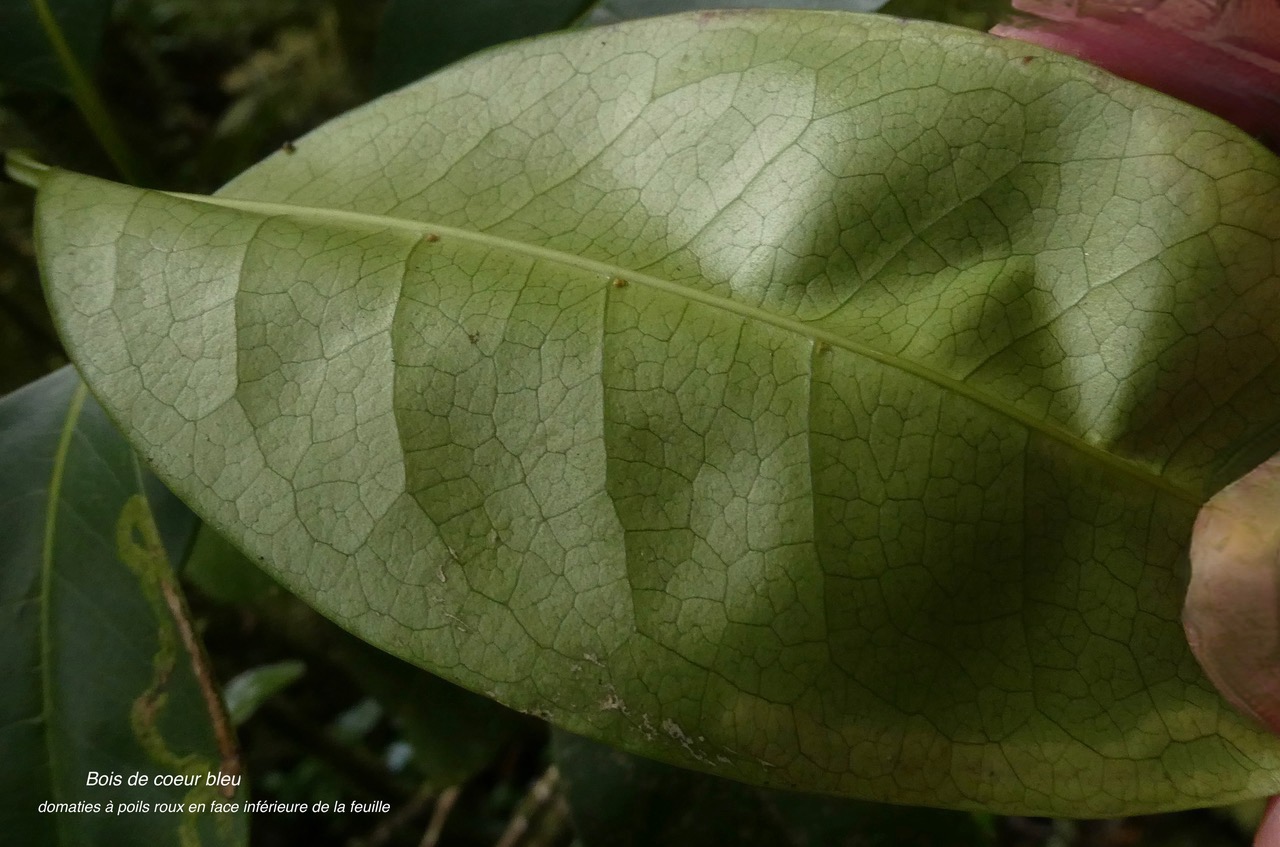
(1220, 55)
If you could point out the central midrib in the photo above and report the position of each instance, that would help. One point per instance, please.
(816, 334)
(53, 506)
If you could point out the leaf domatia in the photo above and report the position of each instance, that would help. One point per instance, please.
(815, 399)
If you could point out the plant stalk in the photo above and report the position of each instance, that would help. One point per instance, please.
(86, 97)
(24, 168)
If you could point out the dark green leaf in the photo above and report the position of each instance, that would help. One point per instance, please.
(29, 34)
(813, 398)
(974, 14)
(620, 800)
(97, 677)
(248, 690)
(222, 573)
(613, 11)
(419, 36)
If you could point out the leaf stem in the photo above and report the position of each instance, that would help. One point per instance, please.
(52, 514)
(224, 734)
(539, 801)
(24, 168)
(86, 97)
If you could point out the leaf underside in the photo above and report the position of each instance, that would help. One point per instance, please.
(815, 399)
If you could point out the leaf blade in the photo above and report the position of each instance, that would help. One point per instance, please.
(689, 530)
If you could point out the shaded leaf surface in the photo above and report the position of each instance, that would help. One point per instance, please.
(96, 677)
(620, 800)
(816, 399)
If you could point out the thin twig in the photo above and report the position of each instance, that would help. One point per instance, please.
(533, 803)
(444, 805)
(399, 819)
(23, 168)
(86, 97)
(228, 750)
(555, 826)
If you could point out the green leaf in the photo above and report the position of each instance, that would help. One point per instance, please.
(248, 690)
(54, 43)
(815, 399)
(420, 36)
(98, 676)
(38, 36)
(222, 573)
(619, 800)
(981, 15)
(613, 11)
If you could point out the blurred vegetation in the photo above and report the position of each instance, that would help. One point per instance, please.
(199, 90)
(974, 14)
